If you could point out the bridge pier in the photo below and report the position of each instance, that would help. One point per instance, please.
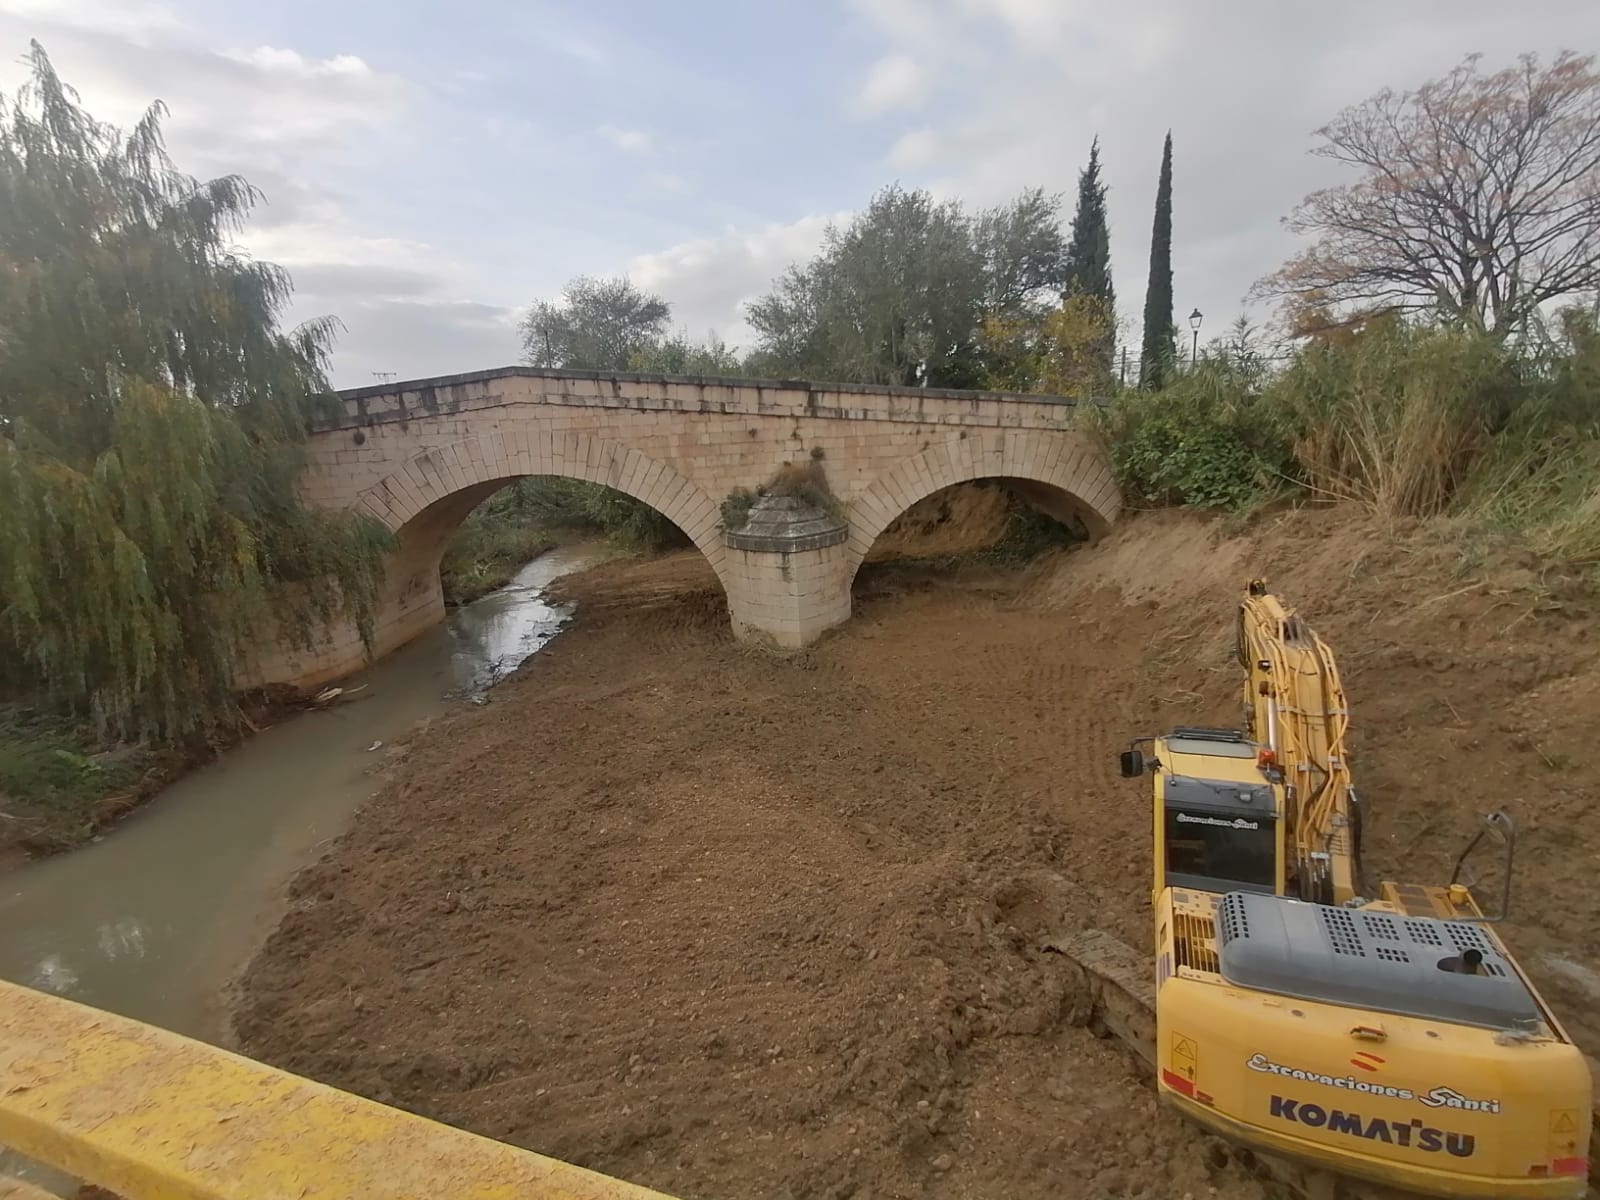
(787, 572)
(785, 599)
(788, 599)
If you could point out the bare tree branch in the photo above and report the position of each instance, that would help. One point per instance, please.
(1479, 197)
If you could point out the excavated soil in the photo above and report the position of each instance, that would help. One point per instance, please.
(736, 927)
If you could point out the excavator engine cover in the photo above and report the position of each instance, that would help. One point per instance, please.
(1381, 961)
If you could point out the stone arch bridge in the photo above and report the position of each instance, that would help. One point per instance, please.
(419, 456)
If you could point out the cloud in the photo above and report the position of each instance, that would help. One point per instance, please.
(294, 64)
(709, 280)
(1019, 88)
(919, 148)
(264, 105)
(128, 19)
(290, 200)
(379, 280)
(286, 120)
(904, 21)
(417, 338)
(894, 82)
(405, 306)
(414, 205)
(1131, 36)
(666, 181)
(631, 141)
(582, 49)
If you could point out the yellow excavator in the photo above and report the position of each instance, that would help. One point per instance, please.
(1385, 1037)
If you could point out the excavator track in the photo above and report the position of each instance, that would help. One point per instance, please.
(1121, 995)
(1121, 1003)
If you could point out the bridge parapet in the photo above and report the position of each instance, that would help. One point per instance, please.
(149, 1115)
(452, 395)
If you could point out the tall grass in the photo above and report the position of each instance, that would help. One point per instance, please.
(487, 554)
(1398, 419)
(1406, 419)
(56, 776)
(1547, 489)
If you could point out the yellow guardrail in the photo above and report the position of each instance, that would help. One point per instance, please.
(150, 1115)
(15, 1189)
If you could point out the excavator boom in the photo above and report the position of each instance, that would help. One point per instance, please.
(1296, 712)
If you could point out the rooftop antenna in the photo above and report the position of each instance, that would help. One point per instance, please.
(384, 376)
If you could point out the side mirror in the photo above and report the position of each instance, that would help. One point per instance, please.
(1133, 764)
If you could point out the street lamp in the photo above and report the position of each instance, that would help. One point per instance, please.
(1194, 323)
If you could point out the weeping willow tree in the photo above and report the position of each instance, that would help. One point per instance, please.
(152, 415)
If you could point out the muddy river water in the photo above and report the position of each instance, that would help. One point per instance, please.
(151, 920)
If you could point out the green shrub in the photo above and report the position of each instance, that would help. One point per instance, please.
(1408, 419)
(552, 502)
(736, 506)
(1029, 533)
(1200, 442)
(55, 776)
(486, 554)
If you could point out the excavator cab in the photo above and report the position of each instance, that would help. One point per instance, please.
(1218, 820)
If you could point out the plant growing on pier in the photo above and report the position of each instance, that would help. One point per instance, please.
(736, 506)
(806, 480)
(151, 412)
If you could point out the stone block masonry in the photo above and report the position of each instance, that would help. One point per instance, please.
(419, 456)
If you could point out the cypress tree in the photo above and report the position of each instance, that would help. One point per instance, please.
(1089, 250)
(1158, 356)
(1088, 271)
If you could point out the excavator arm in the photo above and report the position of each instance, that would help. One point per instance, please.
(1296, 712)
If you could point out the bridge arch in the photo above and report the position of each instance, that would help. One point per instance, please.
(439, 486)
(1064, 474)
(424, 501)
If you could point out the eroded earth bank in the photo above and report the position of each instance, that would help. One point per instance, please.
(732, 927)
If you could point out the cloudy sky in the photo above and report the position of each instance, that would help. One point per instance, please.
(430, 168)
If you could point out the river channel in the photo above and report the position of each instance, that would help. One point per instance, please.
(153, 918)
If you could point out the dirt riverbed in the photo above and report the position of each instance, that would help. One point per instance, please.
(736, 927)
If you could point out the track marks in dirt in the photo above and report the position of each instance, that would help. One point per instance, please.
(738, 927)
(735, 927)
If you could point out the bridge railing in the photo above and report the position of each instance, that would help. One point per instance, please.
(450, 394)
(150, 1115)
